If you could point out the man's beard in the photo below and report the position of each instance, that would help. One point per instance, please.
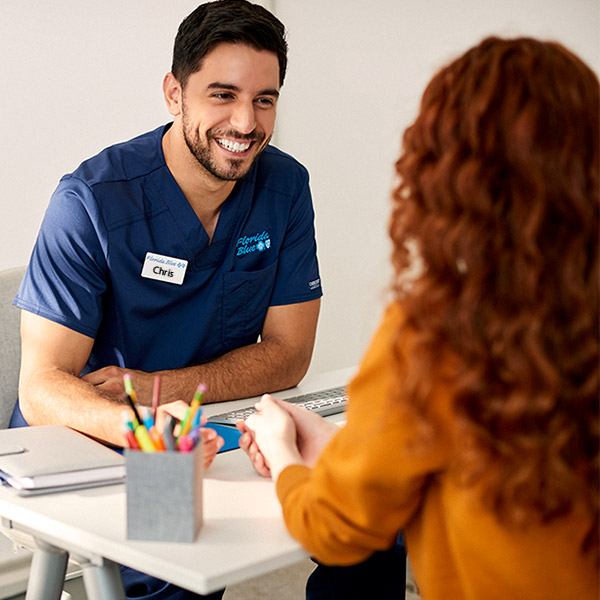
(203, 154)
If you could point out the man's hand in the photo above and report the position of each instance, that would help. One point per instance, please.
(110, 381)
(212, 441)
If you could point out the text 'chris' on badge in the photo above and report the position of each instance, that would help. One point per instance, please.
(164, 268)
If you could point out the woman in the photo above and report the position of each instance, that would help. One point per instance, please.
(473, 421)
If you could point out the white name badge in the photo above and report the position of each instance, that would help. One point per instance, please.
(164, 268)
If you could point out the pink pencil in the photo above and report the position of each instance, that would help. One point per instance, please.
(155, 396)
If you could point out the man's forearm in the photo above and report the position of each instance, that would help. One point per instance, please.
(56, 397)
(277, 362)
(244, 372)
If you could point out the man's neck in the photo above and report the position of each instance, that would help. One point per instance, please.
(205, 193)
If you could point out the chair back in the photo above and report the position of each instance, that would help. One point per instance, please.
(10, 342)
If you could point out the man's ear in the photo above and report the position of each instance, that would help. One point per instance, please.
(173, 94)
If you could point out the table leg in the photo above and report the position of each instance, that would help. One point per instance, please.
(102, 582)
(47, 575)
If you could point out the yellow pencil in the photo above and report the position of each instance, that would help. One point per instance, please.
(186, 424)
(129, 387)
(144, 440)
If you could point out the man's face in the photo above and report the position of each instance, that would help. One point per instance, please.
(228, 109)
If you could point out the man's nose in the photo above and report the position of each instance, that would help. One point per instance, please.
(242, 118)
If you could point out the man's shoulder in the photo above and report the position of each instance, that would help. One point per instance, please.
(275, 158)
(278, 170)
(124, 161)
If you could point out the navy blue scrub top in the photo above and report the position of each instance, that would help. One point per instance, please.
(102, 219)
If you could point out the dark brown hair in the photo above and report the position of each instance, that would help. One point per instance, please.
(226, 21)
(498, 198)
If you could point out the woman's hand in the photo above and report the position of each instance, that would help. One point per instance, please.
(312, 431)
(269, 438)
(280, 433)
(249, 446)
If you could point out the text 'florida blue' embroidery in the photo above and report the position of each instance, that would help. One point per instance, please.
(248, 244)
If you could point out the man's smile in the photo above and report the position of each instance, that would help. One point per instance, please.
(233, 146)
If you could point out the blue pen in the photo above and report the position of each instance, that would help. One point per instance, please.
(155, 436)
(197, 417)
(147, 417)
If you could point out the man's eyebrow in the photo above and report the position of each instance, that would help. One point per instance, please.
(274, 93)
(234, 88)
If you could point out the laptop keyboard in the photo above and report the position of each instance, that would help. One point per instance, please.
(324, 403)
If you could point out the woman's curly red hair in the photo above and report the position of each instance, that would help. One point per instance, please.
(498, 198)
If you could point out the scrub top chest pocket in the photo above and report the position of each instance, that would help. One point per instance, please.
(245, 301)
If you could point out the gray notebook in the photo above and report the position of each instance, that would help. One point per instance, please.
(49, 458)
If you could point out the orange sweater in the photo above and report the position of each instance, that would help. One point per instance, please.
(363, 490)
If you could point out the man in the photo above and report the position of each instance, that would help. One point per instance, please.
(174, 252)
(205, 200)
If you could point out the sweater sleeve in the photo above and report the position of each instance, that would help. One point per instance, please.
(364, 487)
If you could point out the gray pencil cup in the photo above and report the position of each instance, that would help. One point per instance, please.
(164, 495)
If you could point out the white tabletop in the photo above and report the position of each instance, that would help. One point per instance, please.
(243, 534)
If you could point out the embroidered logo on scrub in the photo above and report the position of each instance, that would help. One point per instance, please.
(258, 242)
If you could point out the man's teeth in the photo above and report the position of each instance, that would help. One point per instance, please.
(233, 146)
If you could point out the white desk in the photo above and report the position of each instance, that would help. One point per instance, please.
(243, 535)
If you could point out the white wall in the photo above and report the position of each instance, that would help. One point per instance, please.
(357, 71)
(80, 75)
